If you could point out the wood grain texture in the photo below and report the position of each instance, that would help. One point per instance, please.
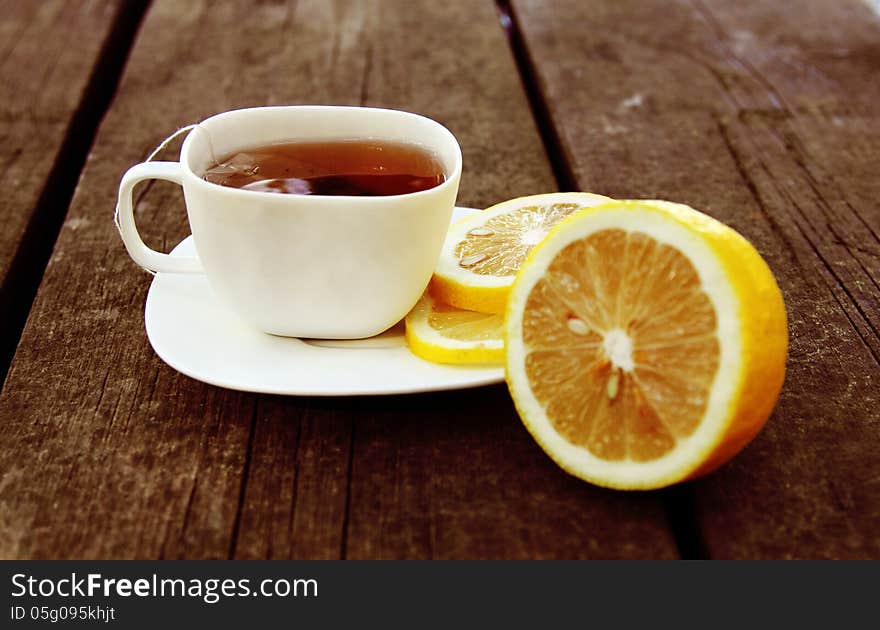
(44, 68)
(458, 477)
(108, 452)
(50, 99)
(766, 116)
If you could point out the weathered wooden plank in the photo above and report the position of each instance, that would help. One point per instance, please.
(45, 71)
(126, 458)
(459, 478)
(295, 499)
(766, 116)
(455, 475)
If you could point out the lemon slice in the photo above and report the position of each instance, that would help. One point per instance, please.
(646, 344)
(483, 252)
(445, 334)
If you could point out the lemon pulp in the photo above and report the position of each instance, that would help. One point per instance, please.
(621, 349)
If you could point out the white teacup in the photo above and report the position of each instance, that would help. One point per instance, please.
(330, 267)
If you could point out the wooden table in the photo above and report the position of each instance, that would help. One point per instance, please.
(763, 114)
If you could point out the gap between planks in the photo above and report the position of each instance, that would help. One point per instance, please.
(559, 161)
(38, 240)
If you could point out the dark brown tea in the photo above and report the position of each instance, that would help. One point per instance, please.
(366, 168)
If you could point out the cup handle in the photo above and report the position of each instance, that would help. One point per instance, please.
(144, 256)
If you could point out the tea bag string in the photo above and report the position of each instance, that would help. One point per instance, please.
(168, 140)
(150, 157)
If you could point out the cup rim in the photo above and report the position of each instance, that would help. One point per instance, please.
(451, 179)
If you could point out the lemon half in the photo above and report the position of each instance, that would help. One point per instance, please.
(646, 344)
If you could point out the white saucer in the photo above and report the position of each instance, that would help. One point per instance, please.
(193, 333)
